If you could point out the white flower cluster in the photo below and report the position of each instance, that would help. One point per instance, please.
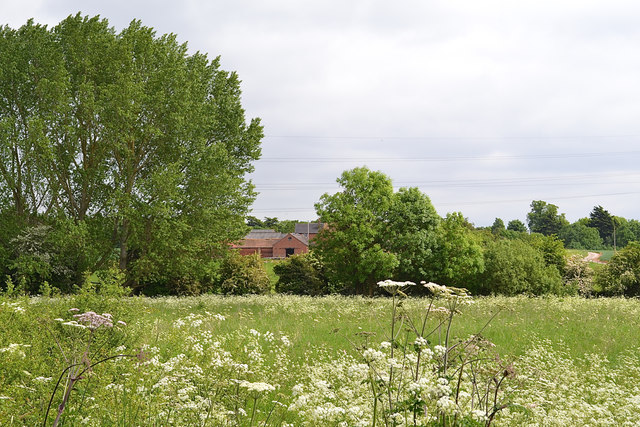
(394, 287)
(371, 355)
(195, 320)
(94, 320)
(15, 307)
(15, 350)
(257, 387)
(461, 295)
(439, 351)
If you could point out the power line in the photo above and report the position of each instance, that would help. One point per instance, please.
(471, 203)
(453, 137)
(443, 159)
(524, 181)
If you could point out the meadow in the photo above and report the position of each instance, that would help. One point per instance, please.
(290, 360)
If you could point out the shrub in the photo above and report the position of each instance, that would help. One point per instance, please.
(241, 275)
(514, 267)
(578, 276)
(302, 274)
(622, 275)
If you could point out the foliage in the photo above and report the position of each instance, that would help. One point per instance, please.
(517, 226)
(302, 274)
(458, 258)
(544, 218)
(127, 140)
(497, 227)
(354, 246)
(513, 267)
(241, 275)
(580, 236)
(626, 231)
(551, 248)
(621, 276)
(578, 276)
(281, 226)
(603, 221)
(412, 233)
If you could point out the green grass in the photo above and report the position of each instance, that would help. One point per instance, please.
(606, 255)
(273, 277)
(321, 330)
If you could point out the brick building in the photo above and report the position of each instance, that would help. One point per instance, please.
(271, 244)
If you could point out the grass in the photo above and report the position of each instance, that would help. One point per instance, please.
(319, 329)
(606, 255)
(273, 277)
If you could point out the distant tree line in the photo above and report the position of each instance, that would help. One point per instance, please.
(272, 223)
(376, 233)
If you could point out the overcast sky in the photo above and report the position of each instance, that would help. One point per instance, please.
(483, 105)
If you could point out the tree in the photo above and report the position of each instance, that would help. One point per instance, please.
(498, 227)
(517, 226)
(551, 248)
(412, 233)
(544, 218)
(603, 221)
(353, 247)
(580, 236)
(627, 231)
(458, 257)
(139, 143)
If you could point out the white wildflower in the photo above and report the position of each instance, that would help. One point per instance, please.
(439, 351)
(371, 355)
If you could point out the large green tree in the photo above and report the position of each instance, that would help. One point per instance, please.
(458, 257)
(354, 246)
(411, 234)
(144, 147)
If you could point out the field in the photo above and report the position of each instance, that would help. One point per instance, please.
(284, 360)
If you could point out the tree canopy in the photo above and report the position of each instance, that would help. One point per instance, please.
(376, 234)
(545, 219)
(354, 247)
(137, 147)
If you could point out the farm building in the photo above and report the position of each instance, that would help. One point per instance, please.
(271, 244)
(309, 229)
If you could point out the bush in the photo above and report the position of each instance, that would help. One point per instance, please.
(514, 267)
(302, 274)
(622, 275)
(578, 276)
(241, 275)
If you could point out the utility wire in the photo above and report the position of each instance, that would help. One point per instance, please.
(442, 159)
(470, 203)
(524, 181)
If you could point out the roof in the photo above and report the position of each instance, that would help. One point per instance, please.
(264, 234)
(257, 243)
(309, 227)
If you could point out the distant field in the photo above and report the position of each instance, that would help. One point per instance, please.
(606, 255)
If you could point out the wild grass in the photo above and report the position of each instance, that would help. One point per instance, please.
(284, 341)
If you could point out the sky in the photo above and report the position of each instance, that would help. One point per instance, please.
(483, 105)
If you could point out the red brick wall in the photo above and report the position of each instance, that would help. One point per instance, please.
(264, 252)
(280, 248)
